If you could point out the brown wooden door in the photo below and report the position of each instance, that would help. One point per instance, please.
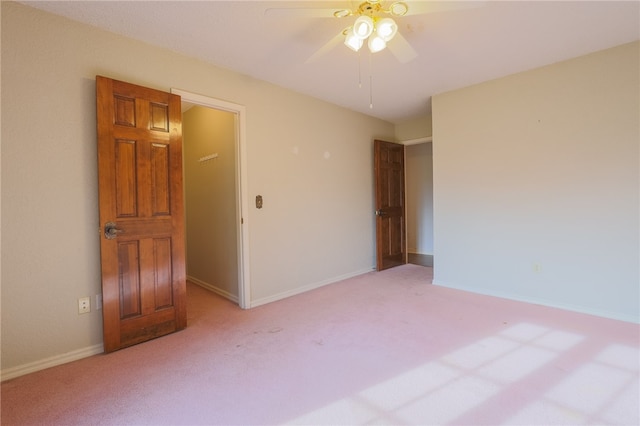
(141, 197)
(390, 219)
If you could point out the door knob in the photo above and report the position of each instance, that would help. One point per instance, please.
(380, 212)
(110, 230)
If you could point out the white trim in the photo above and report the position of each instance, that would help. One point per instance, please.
(543, 302)
(244, 279)
(417, 141)
(207, 101)
(32, 367)
(309, 287)
(213, 289)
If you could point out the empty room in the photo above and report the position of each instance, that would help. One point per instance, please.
(320, 212)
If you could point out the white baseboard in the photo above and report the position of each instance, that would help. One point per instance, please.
(304, 289)
(32, 367)
(543, 302)
(213, 289)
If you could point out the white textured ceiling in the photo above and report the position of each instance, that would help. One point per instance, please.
(456, 48)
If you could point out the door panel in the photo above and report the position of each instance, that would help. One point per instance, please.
(160, 179)
(140, 184)
(126, 194)
(390, 214)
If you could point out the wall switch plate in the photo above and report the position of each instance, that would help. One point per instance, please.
(98, 302)
(84, 305)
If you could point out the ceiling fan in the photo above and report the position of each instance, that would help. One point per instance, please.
(374, 23)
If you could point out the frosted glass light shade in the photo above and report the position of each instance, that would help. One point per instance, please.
(376, 43)
(363, 27)
(386, 28)
(352, 42)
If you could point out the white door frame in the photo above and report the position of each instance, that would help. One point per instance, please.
(244, 282)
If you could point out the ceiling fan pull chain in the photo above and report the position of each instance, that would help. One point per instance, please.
(370, 80)
(370, 92)
(359, 70)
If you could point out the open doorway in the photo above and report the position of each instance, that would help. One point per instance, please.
(419, 201)
(216, 231)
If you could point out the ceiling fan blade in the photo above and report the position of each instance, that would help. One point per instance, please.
(300, 12)
(422, 7)
(328, 46)
(401, 49)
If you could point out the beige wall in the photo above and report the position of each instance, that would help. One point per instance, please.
(417, 128)
(316, 225)
(210, 199)
(536, 191)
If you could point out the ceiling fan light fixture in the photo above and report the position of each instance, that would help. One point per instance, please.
(352, 41)
(376, 43)
(363, 27)
(342, 13)
(386, 28)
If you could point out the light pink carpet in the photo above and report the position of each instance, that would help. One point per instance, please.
(381, 348)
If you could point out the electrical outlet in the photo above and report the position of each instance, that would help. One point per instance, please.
(537, 268)
(84, 305)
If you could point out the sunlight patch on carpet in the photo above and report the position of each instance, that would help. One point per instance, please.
(604, 390)
(443, 390)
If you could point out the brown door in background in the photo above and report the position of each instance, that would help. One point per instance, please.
(141, 212)
(390, 219)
